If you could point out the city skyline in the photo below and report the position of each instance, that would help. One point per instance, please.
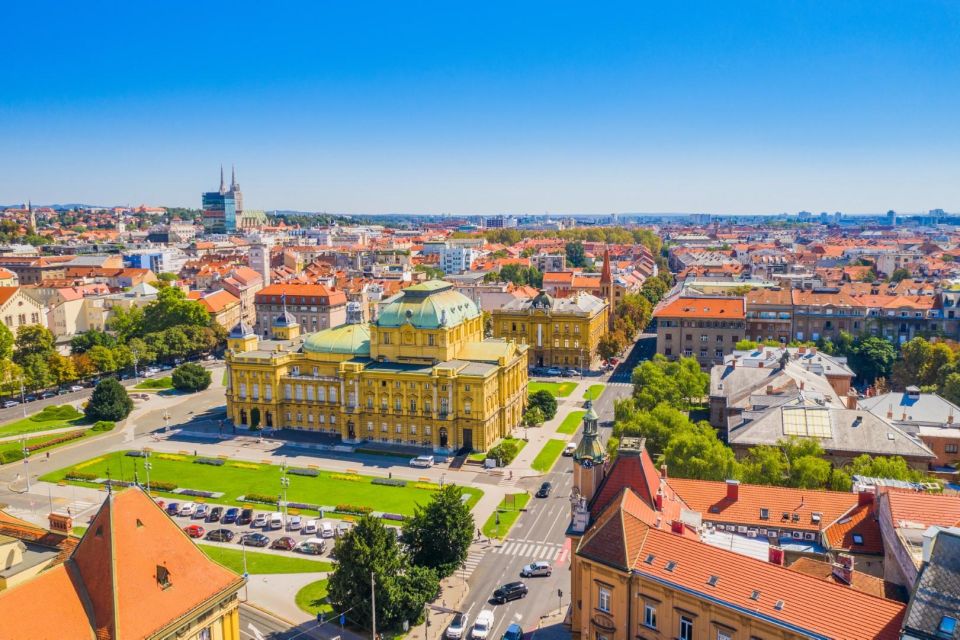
(632, 108)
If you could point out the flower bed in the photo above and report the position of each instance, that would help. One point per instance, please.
(89, 463)
(260, 497)
(213, 462)
(345, 476)
(163, 486)
(198, 494)
(428, 486)
(354, 509)
(311, 473)
(392, 516)
(132, 454)
(82, 476)
(390, 482)
(172, 457)
(67, 437)
(245, 465)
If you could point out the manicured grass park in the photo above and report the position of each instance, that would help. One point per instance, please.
(165, 382)
(235, 478)
(593, 392)
(480, 456)
(508, 515)
(12, 450)
(52, 417)
(312, 598)
(556, 389)
(572, 422)
(263, 562)
(548, 455)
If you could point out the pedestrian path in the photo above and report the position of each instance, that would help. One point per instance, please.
(549, 551)
(508, 481)
(474, 556)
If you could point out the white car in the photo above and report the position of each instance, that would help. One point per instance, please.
(570, 449)
(9, 404)
(76, 387)
(187, 509)
(458, 626)
(533, 569)
(201, 511)
(422, 461)
(260, 520)
(482, 625)
(294, 523)
(326, 530)
(309, 528)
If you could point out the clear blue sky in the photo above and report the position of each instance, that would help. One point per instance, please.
(487, 106)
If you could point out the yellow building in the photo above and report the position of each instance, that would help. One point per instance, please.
(561, 332)
(421, 375)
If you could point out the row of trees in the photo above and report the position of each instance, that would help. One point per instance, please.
(632, 314)
(405, 577)
(609, 235)
(170, 327)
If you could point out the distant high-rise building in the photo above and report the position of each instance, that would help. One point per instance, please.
(221, 208)
(892, 218)
(500, 222)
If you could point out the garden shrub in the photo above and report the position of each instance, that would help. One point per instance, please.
(213, 462)
(261, 497)
(311, 473)
(83, 476)
(163, 486)
(354, 509)
(103, 425)
(349, 477)
(390, 482)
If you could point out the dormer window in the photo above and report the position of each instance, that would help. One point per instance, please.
(163, 577)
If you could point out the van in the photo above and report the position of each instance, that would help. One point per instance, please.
(422, 461)
(482, 625)
(309, 528)
(326, 530)
(275, 521)
(570, 448)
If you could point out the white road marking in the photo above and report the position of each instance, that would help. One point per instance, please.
(256, 632)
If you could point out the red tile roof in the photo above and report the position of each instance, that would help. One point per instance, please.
(860, 521)
(923, 508)
(714, 308)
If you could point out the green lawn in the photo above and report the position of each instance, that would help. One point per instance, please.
(165, 382)
(508, 515)
(548, 455)
(593, 392)
(237, 478)
(572, 422)
(556, 389)
(482, 455)
(52, 417)
(263, 562)
(224, 381)
(313, 598)
(11, 451)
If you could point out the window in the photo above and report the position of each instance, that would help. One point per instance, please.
(950, 448)
(430, 340)
(857, 538)
(686, 628)
(310, 394)
(724, 634)
(947, 627)
(243, 390)
(386, 338)
(255, 392)
(603, 599)
(650, 616)
(204, 634)
(163, 577)
(703, 338)
(268, 392)
(288, 392)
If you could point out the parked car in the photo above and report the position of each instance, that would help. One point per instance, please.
(570, 373)
(284, 543)
(76, 387)
(422, 461)
(534, 569)
(194, 531)
(309, 527)
(201, 511)
(311, 546)
(173, 508)
(553, 371)
(326, 530)
(294, 523)
(254, 540)
(215, 514)
(230, 515)
(513, 632)
(221, 535)
(457, 627)
(49, 394)
(275, 521)
(570, 448)
(10, 404)
(30, 399)
(544, 490)
(187, 509)
(245, 517)
(343, 528)
(510, 591)
(260, 520)
(482, 625)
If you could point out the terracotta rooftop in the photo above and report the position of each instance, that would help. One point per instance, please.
(923, 508)
(714, 308)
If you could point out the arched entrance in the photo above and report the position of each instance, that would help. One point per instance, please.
(243, 417)
(443, 437)
(255, 418)
(269, 419)
(351, 430)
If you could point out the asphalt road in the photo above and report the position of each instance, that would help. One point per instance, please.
(258, 625)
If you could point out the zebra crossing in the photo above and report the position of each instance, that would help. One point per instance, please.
(508, 481)
(474, 556)
(549, 551)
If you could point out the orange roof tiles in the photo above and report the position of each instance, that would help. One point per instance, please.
(713, 308)
(861, 522)
(923, 508)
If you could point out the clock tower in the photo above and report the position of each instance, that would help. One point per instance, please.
(590, 458)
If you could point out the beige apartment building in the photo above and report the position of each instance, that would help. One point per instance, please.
(703, 328)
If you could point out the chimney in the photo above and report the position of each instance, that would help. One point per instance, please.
(803, 350)
(663, 471)
(676, 527)
(843, 568)
(733, 363)
(890, 411)
(775, 555)
(903, 416)
(865, 497)
(950, 417)
(769, 389)
(60, 523)
(802, 384)
(733, 490)
(852, 399)
(658, 500)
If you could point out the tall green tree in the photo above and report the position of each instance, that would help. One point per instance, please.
(33, 340)
(658, 425)
(544, 401)
(698, 453)
(439, 534)
(913, 364)
(102, 358)
(765, 464)
(871, 357)
(402, 588)
(191, 377)
(576, 256)
(679, 383)
(6, 342)
(109, 402)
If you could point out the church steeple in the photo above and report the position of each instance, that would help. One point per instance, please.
(606, 287)
(233, 179)
(223, 184)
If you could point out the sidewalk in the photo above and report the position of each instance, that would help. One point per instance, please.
(276, 592)
(538, 436)
(453, 592)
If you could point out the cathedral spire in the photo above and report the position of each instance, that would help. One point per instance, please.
(223, 184)
(233, 178)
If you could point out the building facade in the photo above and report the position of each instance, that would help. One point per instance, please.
(560, 332)
(704, 328)
(315, 306)
(420, 375)
(221, 208)
(17, 309)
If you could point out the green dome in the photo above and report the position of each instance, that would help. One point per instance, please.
(429, 305)
(353, 339)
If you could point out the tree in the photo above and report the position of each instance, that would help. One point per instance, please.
(402, 589)
(951, 388)
(576, 256)
(533, 417)
(608, 346)
(899, 274)
(102, 358)
(914, 356)
(745, 345)
(653, 290)
(61, 368)
(809, 472)
(10, 377)
(872, 357)
(6, 343)
(433, 273)
(635, 308)
(109, 402)
(171, 309)
(765, 464)
(83, 342)
(33, 339)
(678, 383)
(439, 534)
(545, 401)
(658, 426)
(191, 377)
(893, 467)
(698, 453)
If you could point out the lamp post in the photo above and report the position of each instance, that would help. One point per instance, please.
(23, 402)
(26, 461)
(284, 483)
(166, 420)
(147, 466)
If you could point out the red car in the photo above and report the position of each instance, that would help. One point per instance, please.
(195, 531)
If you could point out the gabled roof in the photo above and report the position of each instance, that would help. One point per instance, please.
(714, 308)
(936, 591)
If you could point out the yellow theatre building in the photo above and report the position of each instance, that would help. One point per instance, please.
(420, 375)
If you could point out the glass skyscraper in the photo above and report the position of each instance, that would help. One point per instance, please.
(221, 208)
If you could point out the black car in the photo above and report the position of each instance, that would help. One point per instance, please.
(220, 535)
(510, 591)
(215, 514)
(254, 540)
(245, 517)
(544, 490)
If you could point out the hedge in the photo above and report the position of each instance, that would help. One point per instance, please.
(83, 476)
(260, 497)
(163, 486)
(197, 494)
(313, 473)
(390, 482)
(213, 462)
(73, 435)
(103, 425)
(354, 509)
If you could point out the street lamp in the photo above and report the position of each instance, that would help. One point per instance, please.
(284, 483)
(136, 376)
(166, 420)
(23, 402)
(147, 466)
(26, 467)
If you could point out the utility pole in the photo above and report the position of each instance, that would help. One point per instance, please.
(373, 608)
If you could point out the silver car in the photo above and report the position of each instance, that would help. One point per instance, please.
(458, 626)
(535, 569)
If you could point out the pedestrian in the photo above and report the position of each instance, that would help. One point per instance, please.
(48, 455)
(390, 475)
